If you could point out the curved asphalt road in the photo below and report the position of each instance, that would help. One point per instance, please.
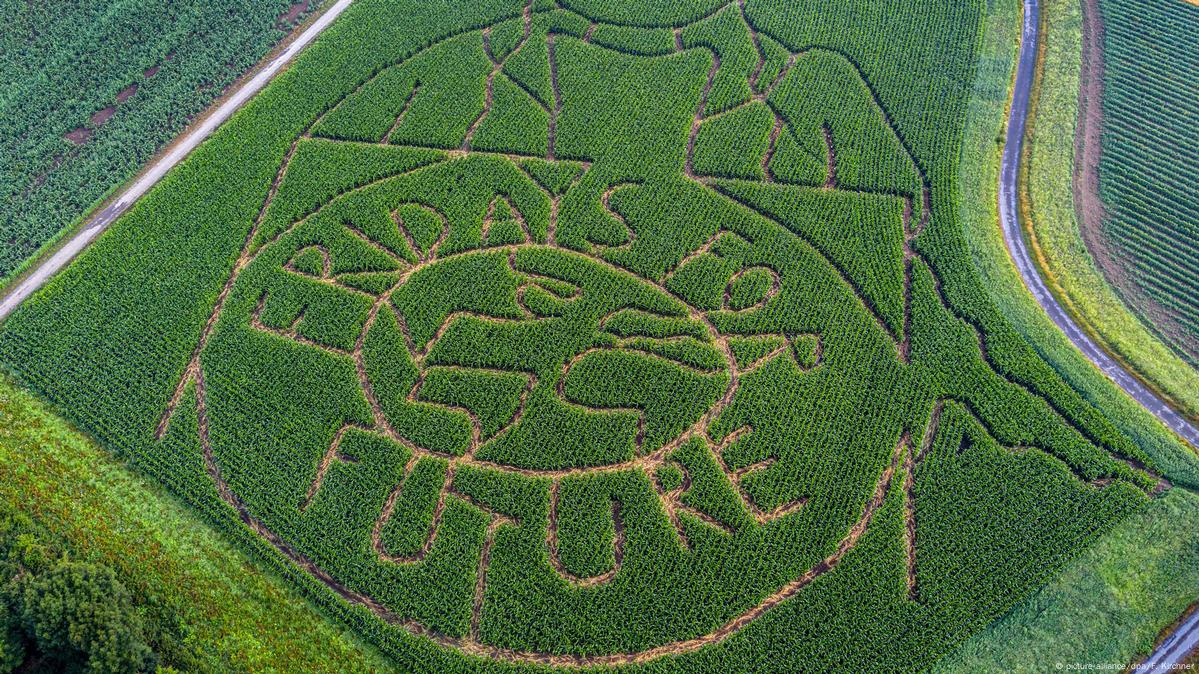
(1014, 237)
(1185, 638)
(101, 220)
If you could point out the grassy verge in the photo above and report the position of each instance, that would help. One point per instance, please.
(1107, 607)
(1053, 229)
(239, 618)
(979, 166)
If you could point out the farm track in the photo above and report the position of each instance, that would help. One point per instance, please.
(902, 459)
(1173, 651)
(101, 220)
(1018, 248)
(1185, 639)
(470, 643)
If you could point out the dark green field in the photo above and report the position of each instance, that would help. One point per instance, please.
(90, 90)
(633, 335)
(1150, 162)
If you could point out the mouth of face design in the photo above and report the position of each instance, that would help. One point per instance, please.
(510, 347)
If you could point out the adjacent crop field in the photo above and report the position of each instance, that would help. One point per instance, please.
(594, 333)
(1068, 241)
(1150, 162)
(90, 89)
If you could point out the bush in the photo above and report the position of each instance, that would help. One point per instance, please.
(68, 615)
(12, 645)
(79, 613)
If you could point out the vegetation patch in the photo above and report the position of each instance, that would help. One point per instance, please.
(93, 89)
(177, 586)
(589, 384)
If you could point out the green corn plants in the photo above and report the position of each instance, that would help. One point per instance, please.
(595, 333)
(1147, 171)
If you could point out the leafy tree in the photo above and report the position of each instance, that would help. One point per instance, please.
(80, 615)
(73, 616)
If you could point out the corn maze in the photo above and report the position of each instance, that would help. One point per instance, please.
(592, 334)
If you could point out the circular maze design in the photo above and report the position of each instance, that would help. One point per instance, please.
(580, 343)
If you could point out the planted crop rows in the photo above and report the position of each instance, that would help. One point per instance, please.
(604, 335)
(1150, 160)
(92, 89)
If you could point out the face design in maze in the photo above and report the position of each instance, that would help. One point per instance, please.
(516, 354)
(522, 346)
(550, 343)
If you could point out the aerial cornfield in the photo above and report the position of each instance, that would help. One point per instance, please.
(595, 333)
(1149, 168)
(91, 89)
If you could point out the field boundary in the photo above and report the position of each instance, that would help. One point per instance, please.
(1011, 219)
(65, 246)
(54, 243)
(76, 225)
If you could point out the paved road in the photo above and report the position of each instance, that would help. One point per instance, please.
(1186, 638)
(1173, 650)
(1018, 248)
(101, 220)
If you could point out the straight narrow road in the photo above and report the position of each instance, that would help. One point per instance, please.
(1185, 638)
(1174, 650)
(106, 216)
